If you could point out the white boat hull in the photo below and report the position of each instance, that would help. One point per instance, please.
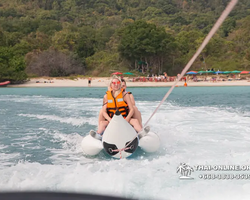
(91, 146)
(150, 142)
(120, 140)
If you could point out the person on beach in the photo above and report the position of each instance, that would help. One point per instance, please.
(165, 76)
(124, 105)
(89, 81)
(185, 84)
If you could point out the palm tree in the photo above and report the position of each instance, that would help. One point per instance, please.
(181, 169)
(189, 170)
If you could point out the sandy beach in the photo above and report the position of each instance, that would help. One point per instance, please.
(104, 82)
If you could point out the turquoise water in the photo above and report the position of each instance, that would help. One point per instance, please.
(41, 131)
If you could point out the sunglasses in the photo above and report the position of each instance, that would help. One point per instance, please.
(116, 83)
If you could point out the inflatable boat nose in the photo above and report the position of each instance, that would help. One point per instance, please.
(117, 112)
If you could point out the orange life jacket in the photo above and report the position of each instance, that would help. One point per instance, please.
(116, 103)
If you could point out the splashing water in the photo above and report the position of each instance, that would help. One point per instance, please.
(41, 132)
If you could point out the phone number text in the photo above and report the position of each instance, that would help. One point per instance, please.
(224, 176)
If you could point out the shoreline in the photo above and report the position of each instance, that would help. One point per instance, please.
(104, 82)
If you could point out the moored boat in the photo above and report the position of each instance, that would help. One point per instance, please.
(4, 84)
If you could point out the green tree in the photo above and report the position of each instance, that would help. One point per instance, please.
(36, 40)
(103, 36)
(228, 26)
(12, 67)
(49, 27)
(102, 62)
(13, 38)
(65, 40)
(2, 38)
(187, 40)
(145, 43)
(85, 44)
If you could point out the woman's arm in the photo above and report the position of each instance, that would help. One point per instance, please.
(131, 107)
(104, 108)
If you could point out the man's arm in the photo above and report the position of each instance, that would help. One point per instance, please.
(132, 99)
(131, 107)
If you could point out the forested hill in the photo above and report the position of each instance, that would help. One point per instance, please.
(97, 37)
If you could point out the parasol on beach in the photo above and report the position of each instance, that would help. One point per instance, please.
(205, 72)
(128, 73)
(235, 72)
(244, 72)
(191, 72)
(116, 73)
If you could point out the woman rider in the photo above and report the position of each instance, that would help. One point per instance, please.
(137, 113)
(125, 106)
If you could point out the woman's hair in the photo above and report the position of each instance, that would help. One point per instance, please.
(114, 77)
(125, 84)
(123, 81)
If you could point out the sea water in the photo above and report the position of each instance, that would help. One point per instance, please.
(41, 131)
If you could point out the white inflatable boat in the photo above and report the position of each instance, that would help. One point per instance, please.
(120, 140)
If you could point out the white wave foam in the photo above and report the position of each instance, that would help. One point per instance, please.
(143, 179)
(73, 121)
(71, 148)
(7, 159)
(194, 135)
